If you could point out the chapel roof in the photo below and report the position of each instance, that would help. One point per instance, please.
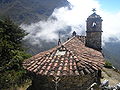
(69, 58)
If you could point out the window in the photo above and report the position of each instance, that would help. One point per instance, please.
(60, 52)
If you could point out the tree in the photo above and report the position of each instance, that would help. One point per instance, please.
(12, 53)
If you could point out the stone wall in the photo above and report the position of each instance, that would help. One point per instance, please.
(65, 83)
(93, 40)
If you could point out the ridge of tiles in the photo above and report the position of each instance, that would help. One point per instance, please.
(72, 58)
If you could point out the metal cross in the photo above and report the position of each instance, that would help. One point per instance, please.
(94, 10)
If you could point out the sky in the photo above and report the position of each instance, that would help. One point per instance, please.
(110, 5)
(75, 16)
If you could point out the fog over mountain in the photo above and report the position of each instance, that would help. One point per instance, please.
(74, 15)
(46, 18)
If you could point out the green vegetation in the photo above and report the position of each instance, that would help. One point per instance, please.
(12, 54)
(108, 64)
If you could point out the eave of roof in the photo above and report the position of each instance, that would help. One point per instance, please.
(78, 60)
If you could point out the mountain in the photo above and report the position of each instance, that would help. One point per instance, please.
(111, 51)
(29, 11)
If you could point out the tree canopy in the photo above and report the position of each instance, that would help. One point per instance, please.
(12, 53)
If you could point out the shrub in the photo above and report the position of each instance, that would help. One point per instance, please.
(108, 64)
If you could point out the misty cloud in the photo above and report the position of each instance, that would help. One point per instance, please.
(73, 18)
(111, 26)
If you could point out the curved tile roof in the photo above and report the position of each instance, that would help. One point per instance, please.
(94, 15)
(69, 58)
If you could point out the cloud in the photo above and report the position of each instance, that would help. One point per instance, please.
(74, 16)
(111, 26)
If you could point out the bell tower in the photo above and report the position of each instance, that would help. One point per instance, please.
(94, 31)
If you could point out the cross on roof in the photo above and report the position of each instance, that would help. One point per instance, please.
(94, 10)
(59, 41)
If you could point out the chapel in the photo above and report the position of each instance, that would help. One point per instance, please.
(72, 65)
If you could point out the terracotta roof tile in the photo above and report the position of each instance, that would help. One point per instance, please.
(70, 58)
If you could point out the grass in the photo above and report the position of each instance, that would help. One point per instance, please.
(24, 86)
(106, 72)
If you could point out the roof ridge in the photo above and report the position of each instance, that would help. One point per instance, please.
(68, 40)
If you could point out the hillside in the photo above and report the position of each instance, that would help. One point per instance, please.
(111, 75)
(111, 51)
(29, 11)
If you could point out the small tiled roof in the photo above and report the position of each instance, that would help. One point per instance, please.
(69, 58)
(94, 15)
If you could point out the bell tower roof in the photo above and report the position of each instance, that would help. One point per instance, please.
(94, 16)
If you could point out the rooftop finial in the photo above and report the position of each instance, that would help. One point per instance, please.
(59, 41)
(94, 10)
(74, 33)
